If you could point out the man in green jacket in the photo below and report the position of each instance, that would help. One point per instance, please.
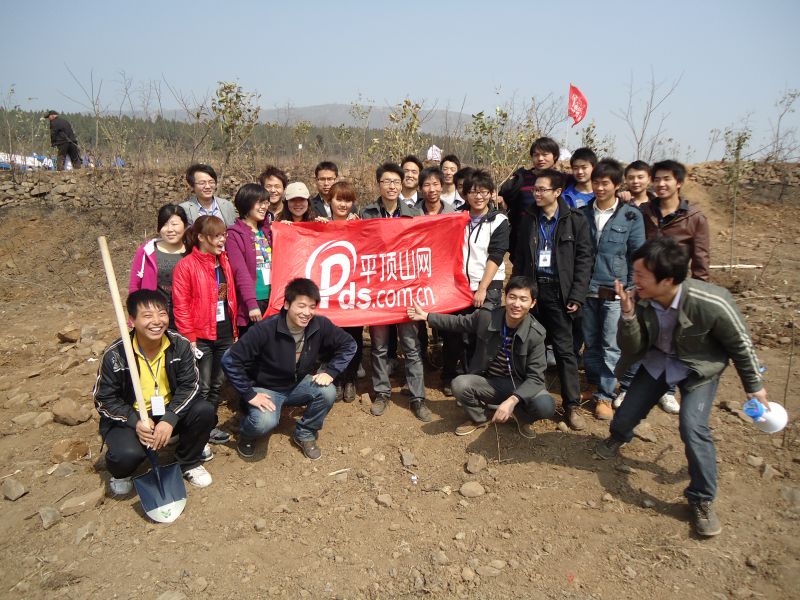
(505, 378)
(683, 331)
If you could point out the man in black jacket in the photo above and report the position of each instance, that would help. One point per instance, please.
(506, 372)
(274, 364)
(63, 138)
(554, 248)
(169, 380)
(325, 175)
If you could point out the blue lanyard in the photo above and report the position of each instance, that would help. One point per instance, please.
(548, 233)
(506, 344)
(149, 368)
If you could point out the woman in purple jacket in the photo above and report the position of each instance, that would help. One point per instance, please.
(249, 248)
(155, 260)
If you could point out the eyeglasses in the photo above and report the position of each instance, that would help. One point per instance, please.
(542, 190)
(390, 182)
(481, 193)
(203, 184)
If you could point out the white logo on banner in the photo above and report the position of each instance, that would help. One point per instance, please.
(336, 268)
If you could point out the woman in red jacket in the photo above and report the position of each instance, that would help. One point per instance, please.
(204, 303)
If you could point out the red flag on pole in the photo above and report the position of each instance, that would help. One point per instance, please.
(577, 105)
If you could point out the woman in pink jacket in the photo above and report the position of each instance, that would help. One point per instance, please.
(249, 249)
(155, 260)
(204, 300)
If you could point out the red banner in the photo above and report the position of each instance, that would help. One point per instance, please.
(576, 105)
(369, 272)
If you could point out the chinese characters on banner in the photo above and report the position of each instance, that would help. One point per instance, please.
(369, 272)
(576, 105)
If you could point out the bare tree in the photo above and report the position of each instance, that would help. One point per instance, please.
(645, 123)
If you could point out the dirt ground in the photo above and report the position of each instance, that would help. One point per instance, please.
(553, 521)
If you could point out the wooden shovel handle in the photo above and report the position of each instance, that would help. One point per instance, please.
(123, 327)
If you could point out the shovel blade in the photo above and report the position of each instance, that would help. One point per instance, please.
(162, 493)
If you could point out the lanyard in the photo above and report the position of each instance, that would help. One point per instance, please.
(548, 233)
(149, 368)
(261, 247)
(506, 344)
(216, 272)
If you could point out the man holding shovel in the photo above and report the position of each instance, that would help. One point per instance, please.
(169, 384)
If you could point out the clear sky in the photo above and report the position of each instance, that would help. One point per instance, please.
(734, 57)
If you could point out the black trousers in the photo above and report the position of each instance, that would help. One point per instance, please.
(552, 313)
(69, 149)
(125, 452)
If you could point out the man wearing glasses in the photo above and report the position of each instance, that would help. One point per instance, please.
(554, 248)
(202, 180)
(325, 174)
(390, 181)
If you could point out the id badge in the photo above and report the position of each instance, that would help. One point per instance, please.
(220, 310)
(266, 273)
(157, 405)
(545, 257)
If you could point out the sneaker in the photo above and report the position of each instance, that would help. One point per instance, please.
(619, 399)
(669, 404)
(525, 429)
(198, 476)
(379, 405)
(309, 448)
(218, 436)
(339, 392)
(422, 412)
(361, 373)
(608, 448)
(121, 486)
(207, 454)
(705, 520)
(349, 391)
(575, 418)
(603, 410)
(470, 426)
(246, 447)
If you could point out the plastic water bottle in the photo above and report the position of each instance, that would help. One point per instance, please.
(768, 421)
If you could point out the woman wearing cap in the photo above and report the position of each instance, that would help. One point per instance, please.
(249, 248)
(297, 208)
(155, 260)
(343, 199)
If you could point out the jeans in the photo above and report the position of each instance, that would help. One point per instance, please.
(407, 337)
(698, 444)
(125, 452)
(480, 397)
(600, 318)
(210, 368)
(320, 399)
(552, 314)
(625, 380)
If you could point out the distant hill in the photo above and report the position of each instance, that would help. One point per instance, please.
(437, 121)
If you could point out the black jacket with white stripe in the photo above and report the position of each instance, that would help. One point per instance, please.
(113, 392)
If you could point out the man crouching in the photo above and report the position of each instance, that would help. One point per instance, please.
(169, 381)
(274, 364)
(506, 371)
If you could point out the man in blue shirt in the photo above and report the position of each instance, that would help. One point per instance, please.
(578, 192)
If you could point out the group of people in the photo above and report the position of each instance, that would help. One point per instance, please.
(584, 249)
